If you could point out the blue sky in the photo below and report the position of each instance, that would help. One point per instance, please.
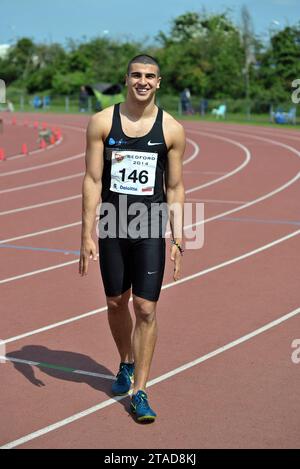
(56, 20)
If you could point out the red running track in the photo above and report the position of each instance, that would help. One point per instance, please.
(222, 373)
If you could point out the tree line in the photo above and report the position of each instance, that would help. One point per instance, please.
(207, 53)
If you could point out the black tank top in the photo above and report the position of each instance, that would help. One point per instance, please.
(134, 167)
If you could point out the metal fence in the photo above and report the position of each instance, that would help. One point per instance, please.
(240, 109)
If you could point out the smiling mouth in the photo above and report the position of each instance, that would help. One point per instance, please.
(142, 90)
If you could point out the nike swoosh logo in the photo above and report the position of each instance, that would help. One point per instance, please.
(150, 273)
(154, 143)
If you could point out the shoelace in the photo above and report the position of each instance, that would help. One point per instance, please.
(142, 399)
(122, 368)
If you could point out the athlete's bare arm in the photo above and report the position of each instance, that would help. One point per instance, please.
(175, 140)
(91, 186)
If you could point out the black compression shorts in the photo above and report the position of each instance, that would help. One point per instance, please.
(132, 263)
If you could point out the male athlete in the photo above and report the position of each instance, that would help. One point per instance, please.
(134, 155)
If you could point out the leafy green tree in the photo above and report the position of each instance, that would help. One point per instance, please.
(186, 27)
(18, 63)
(286, 55)
(207, 53)
(46, 61)
(279, 65)
(68, 83)
(203, 53)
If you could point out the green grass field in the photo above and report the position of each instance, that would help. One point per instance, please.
(167, 102)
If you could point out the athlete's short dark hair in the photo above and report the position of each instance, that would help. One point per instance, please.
(143, 59)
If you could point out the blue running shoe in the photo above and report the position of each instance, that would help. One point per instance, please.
(140, 407)
(124, 379)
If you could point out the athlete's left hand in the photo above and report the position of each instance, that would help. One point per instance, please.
(176, 258)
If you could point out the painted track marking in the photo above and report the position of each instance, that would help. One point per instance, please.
(248, 204)
(76, 175)
(42, 183)
(52, 366)
(159, 379)
(164, 287)
(230, 173)
(42, 232)
(280, 319)
(196, 151)
(78, 223)
(33, 248)
(237, 202)
(187, 227)
(41, 166)
(44, 204)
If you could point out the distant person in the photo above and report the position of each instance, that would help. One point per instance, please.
(83, 99)
(203, 106)
(10, 107)
(185, 98)
(37, 102)
(46, 102)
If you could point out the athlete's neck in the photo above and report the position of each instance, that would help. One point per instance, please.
(135, 110)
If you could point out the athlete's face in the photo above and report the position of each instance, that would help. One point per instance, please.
(143, 81)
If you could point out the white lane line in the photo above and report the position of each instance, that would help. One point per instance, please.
(164, 287)
(34, 152)
(260, 131)
(186, 227)
(266, 130)
(54, 325)
(42, 183)
(41, 166)
(264, 197)
(263, 139)
(159, 379)
(194, 154)
(193, 171)
(196, 151)
(235, 259)
(237, 202)
(227, 175)
(248, 204)
(55, 367)
(62, 227)
(19, 360)
(42, 232)
(43, 204)
(73, 176)
(70, 127)
(39, 271)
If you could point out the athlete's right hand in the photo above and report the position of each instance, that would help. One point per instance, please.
(87, 251)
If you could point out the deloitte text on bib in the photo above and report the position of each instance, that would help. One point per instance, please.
(133, 172)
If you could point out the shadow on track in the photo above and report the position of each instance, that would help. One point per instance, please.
(60, 364)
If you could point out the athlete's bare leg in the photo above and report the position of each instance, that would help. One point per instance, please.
(120, 323)
(144, 339)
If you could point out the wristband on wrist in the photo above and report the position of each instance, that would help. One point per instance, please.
(178, 246)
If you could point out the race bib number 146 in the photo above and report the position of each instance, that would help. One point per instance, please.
(133, 172)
